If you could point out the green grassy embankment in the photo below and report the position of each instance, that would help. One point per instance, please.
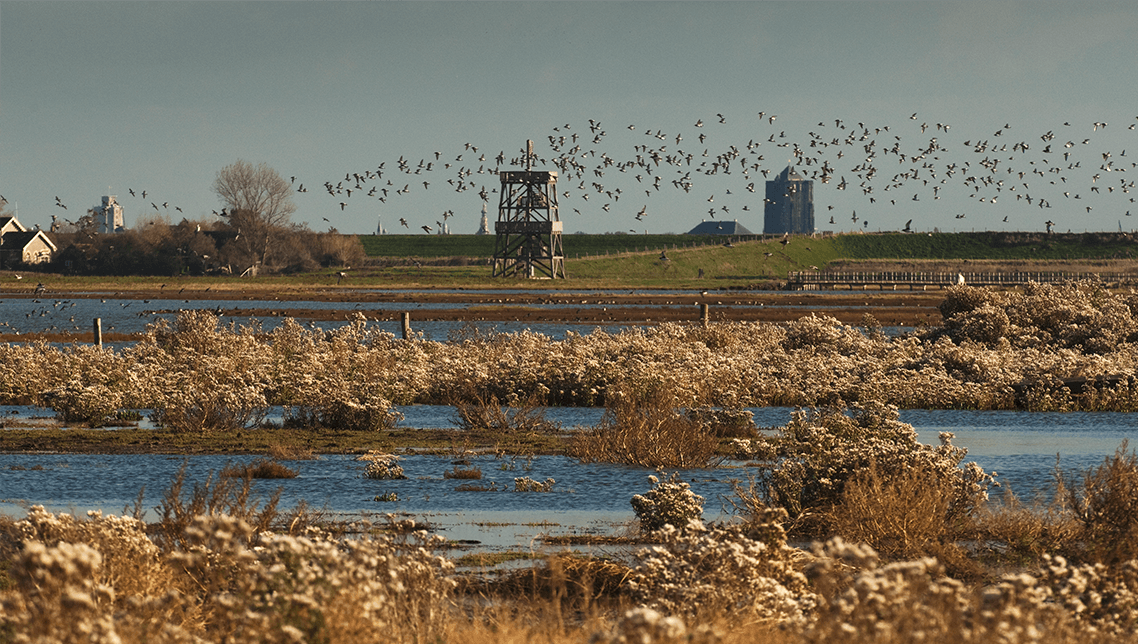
(482, 246)
(633, 261)
(627, 260)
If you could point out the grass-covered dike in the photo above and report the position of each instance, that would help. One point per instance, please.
(741, 261)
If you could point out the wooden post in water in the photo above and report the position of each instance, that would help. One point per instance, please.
(99, 332)
(405, 318)
(704, 316)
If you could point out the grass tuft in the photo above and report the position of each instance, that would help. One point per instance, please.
(463, 473)
(259, 469)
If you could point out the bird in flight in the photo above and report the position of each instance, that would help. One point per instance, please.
(403, 222)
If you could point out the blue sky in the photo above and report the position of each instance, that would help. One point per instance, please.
(159, 96)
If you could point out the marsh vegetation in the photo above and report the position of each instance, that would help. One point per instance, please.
(843, 525)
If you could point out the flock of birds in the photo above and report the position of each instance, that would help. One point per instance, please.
(57, 313)
(1070, 168)
(887, 165)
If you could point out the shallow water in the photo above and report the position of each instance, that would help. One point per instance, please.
(76, 315)
(1020, 446)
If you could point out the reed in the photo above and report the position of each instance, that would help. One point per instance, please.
(457, 472)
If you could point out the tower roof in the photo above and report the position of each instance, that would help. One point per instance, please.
(789, 174)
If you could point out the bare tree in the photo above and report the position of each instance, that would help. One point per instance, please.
(257, 205)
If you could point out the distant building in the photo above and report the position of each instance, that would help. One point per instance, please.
(484, 228)
(18, 245)
(789, 205)
(109, 215)
(714, 227)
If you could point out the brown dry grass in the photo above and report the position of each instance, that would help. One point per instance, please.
(1106, 505)
(904, 515)
(579, 578)
(899, 515)
(649, 431)
(259, 469)
(457, 472)
(487, 414)
(1016, 534)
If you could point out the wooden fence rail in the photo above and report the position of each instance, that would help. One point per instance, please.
(895, 280)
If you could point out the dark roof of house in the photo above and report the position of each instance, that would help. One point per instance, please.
(22, 239)
(714, 227)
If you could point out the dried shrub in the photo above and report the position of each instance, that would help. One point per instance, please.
(1020, 534)
(382, 466)
(707, 571)
(725, 423)
(910, 601)
(487, 414)
(1095, 598)
(232, 497)
(819, 452)
(463, 473)
(669, 502)
(260, 468)
(1049, 347)
(647, 625)
(526, 484)
(1106, 504)
(313, 588)
(93, 405)
(648, 431)
(103, 580)
(900, 515)
(342, 407)
(58, 596)
(860, 601)
(200, 377)
(129, 562)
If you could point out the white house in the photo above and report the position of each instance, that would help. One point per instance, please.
(18, 245)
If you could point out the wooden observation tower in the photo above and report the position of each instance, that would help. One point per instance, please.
(528, 229)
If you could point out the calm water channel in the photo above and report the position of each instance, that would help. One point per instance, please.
(20, 315)
(1020, 446)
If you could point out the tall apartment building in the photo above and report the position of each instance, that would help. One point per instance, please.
(789, 205)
